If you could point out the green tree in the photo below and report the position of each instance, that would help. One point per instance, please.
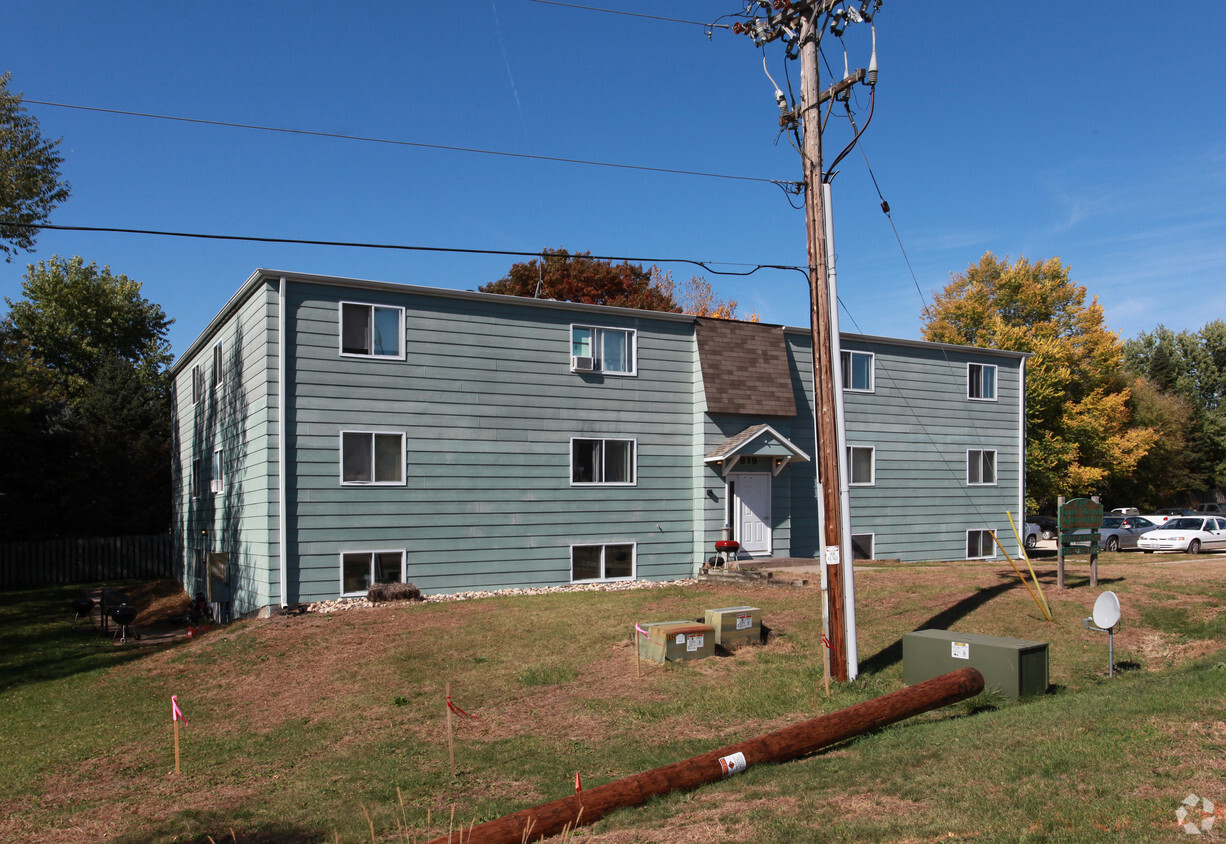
(1190, 365)
(30, 183)
(75, 316)
(1078, 434)
(84, 406)
(584, 279)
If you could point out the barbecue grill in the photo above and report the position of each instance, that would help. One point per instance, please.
(123, 615)
(81, 608)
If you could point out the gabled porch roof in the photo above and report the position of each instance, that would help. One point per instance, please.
(757, 441)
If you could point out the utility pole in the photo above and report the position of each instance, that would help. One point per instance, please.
(800, 25)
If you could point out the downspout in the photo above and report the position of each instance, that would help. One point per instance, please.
(282, 509)
(836, 355)
(1021, 450)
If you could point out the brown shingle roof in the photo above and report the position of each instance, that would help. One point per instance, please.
(745, 368)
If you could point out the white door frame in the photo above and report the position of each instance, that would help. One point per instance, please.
(764, 514)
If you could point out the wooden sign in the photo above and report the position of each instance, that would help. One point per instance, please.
(1080, 513)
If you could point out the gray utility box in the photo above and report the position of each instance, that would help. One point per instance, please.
(736, 625)
(1014, 667)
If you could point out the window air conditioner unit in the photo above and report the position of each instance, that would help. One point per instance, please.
(582, 364)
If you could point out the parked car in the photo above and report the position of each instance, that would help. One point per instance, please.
(1047, 525)
(1164, 514)
(1126, 511)
(1030, 534)
(1121, 532)
(1192, 534)
(1211, 508)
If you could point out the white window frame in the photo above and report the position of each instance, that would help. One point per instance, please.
(634, 561)
(872, 464)
(197, 384)
(370, 570)
(984, 534)
(216, 471)
(219, 364)
(632, 349)
(847, 356)
(872, 546)
(971, 381)
(373, 460)
(634, 461)
(971, 462)
(371, 355)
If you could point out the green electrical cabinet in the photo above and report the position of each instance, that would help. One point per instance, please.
(1013, 667)
(735, 625)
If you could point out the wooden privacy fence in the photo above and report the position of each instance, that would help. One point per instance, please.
(50, 562)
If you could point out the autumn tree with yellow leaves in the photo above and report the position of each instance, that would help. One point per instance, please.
(1079, 433)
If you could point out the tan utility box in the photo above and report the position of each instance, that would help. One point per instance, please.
(736, 626)
(675, 640)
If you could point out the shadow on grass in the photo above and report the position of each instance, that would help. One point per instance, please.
(39, 642)
(225, 831)
(892, 654)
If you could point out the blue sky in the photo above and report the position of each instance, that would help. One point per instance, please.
(1093, 132)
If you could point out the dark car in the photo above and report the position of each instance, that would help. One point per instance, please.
(1046, 524)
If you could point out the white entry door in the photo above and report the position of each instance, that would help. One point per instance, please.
(753, 493)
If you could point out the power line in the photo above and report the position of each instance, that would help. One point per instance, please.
(786, 184)
(709, 26)
(706, 265)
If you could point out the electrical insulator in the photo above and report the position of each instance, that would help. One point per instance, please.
(872, 64)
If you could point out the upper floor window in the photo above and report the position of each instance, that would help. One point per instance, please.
(371, 457)
(219, 372)
(981, 466)
(861, 465)
(372, 330)
(602, 461)
(608, 350)
(197, 383)
(858, 371)
(981, 381)
(215, 479)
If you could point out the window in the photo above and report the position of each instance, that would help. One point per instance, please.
(981, 381)
(609, 350)
(862, 546)
(980, 545)
(197, 383)
(602, 562)
(861, 468)
(197, 477)
(981, 467)
(372, 330)
(371, 457)
(361, 569)
(602, 461)
(218, 369)
(858, 371)
(215, 479)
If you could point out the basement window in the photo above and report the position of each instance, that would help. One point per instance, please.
(602, 562)
(361, 569)
(980, 545)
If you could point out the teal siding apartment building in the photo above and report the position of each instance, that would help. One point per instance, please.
(332, 433)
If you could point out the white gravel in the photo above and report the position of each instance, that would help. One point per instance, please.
(340, 604)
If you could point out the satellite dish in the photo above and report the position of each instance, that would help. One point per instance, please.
(1107, 611)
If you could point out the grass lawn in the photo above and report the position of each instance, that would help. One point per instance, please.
(331, 727)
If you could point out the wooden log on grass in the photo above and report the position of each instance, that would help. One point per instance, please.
(782, 745)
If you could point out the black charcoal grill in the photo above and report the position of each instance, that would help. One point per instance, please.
(123, 616)
(81, 608)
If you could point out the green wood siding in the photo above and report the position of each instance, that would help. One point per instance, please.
(488, 405)
(921, 424)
